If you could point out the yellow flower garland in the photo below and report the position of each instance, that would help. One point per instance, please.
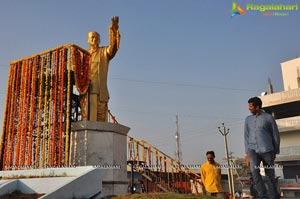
(38, 136)
(37, 123)
(68, 115)
(31, 112)
(11, 118)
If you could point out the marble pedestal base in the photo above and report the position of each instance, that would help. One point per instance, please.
(102, 145)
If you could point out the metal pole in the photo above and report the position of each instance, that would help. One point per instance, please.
(228, 163)
(132, 177)
(232, 177)
(227, 156)
(147, 184)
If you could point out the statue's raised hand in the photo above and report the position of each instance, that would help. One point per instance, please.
(115, 22)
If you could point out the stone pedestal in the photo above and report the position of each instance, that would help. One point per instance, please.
(102, 145)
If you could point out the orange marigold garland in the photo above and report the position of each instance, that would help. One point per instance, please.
(61, 106)
(45, 112)
(54, 129)
(12, 119)
(65, 82)
(81, 70)
(38, 133)
(49, 107)
(15, 154)
(20, 115)
(31, 112)
(37, 119)
(26, 111)
(68, 107)
(9, 116)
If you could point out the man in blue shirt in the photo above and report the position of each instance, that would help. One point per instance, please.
(261, 145)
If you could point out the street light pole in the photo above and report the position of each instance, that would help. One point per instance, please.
(224, 133)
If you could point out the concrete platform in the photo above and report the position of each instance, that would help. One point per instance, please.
(62, 183)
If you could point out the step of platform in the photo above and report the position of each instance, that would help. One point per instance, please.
(63, 183)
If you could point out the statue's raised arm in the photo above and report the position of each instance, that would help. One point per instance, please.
(114, 36)
(94, 103)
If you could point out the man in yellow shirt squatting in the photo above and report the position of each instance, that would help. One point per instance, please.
(211, 176)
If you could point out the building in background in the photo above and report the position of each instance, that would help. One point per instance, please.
(285, 107)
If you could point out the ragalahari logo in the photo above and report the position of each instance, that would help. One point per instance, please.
(237, 10)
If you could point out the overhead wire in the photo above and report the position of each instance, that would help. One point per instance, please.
(196, 132)
(169, 84)
(184, 84)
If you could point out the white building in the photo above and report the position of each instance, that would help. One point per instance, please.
(285, 107)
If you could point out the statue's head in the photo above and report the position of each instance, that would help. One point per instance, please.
(93, 38)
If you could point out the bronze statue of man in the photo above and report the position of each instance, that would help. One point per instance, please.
(98, 94)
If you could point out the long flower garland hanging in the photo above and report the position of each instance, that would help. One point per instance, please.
(9, 117)
(37, 123)
(15, 132)
(38, 111)
(25, 113)
(61, 106)
(82, 70)
(31, 112)
(20, 116)
(68, 113)
(54, 86)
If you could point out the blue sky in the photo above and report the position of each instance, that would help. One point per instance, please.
(189, 58)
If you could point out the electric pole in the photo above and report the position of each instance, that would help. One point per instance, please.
(178, 153)
(224, 133)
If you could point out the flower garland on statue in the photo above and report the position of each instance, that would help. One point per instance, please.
(7, 120)
(45, 128)
(38, 130)
(19, 114)
(14, 108)
(81, 70)
(61, 105)
(31, 112)
(26, 116)
(50, 108)
(10, 116)
(54, 128)
(40, 97)
(68, 114)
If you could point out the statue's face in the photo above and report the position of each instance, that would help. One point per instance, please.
(93, 38)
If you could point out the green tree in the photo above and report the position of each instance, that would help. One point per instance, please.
(241, 169)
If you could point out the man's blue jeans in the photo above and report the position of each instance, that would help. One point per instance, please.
(268, 164)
